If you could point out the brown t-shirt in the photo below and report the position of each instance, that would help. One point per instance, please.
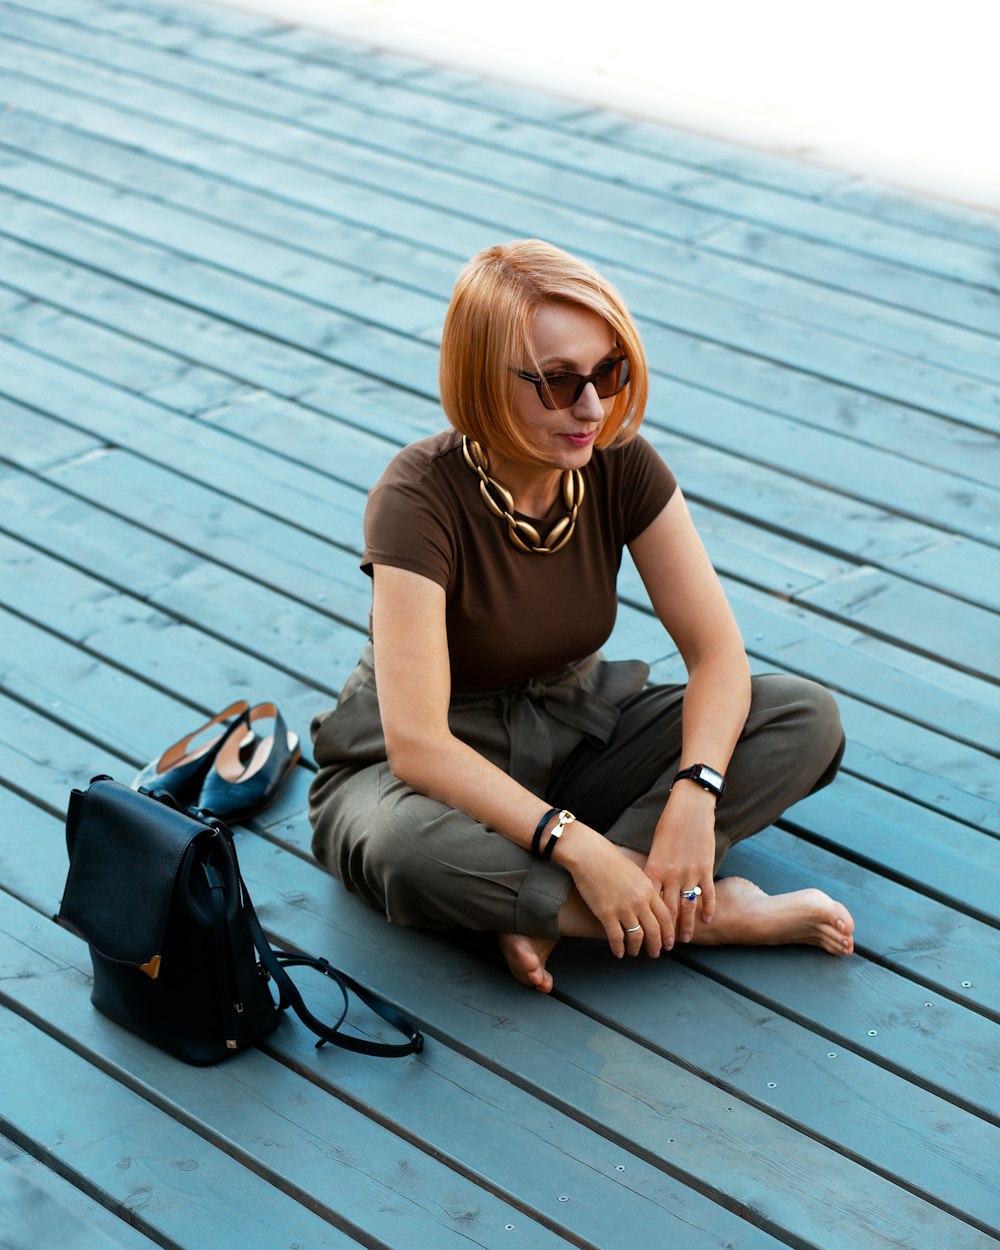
(512, 615)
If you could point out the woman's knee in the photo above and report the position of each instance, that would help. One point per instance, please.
(800, 716)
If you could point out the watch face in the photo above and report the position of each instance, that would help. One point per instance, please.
(711, 776)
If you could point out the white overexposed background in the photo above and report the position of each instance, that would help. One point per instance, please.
(904, 91)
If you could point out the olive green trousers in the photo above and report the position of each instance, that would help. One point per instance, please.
(593, 738)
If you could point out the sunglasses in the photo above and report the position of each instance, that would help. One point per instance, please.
(562, 390)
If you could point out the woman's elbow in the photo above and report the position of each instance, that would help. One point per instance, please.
(411, 759)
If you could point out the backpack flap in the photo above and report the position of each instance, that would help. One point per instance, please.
(125, 853)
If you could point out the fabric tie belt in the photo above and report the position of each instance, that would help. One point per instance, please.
(564, 698)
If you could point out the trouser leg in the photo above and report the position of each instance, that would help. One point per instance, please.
(791, 746)
(427, 865)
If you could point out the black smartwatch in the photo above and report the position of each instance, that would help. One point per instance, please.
(705, 777)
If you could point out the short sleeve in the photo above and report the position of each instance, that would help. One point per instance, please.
(646, 488)
(404, 529)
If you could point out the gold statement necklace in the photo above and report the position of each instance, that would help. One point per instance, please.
(500, 502)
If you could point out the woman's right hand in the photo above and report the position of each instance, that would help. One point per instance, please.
(617, 892)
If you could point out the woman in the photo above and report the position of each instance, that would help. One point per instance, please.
(485, 767)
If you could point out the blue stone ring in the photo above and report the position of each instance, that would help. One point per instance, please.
(692, 893)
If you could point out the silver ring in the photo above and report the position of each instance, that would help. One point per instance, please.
(636, 929)
(691, 893)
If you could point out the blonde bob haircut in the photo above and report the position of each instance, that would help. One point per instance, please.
(488, 333)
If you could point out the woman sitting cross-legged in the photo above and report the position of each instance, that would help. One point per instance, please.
(485, 767)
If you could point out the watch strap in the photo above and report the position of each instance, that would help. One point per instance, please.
(698, 774)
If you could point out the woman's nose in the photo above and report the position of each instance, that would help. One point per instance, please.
(589, 407)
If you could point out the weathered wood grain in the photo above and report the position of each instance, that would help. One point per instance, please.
(617, 1061)
(31, 1217)
(320, 1135)
(163, 1173)
(225, 251)
(95, 1219)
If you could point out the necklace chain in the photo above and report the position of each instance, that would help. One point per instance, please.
(500, 502)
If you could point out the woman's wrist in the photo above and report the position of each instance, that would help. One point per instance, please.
(576, 845)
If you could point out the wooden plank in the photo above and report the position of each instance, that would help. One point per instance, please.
(935, 216)
(232, 298)
(563, 184)
(253, 205)
(919, 689)
(902, 763)
(402, 102)
(912, 844)
(97, 701)
(231, 21)
(617, 1060)
(95, 1218)
(31, 1217)
(930, 495)
(238, 536)
(969, 396)
(335, 287)
(164, 1174)
(350, 1170)
(950, 1050)
(929, 768)
(283, 370)
(326, 457)
(854, 529)
(162, 30)
(582, 1085)
(33, 442)
(872, 1115)
(409, 106)
(718, 1119)
(140, 639)
(789, 440)
(971, 503)
(304, 1127)
(914, 615)
(963, 396)
(194, 449)
(841, 410)
(683, 361)
(864, 275)
(812, 219)
(322, 147)
(936, 1043)
(224, 530)
(929, 942)
(871, 541)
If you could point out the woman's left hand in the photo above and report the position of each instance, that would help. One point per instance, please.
(683, 856)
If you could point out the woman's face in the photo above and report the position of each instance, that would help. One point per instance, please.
(567, 338)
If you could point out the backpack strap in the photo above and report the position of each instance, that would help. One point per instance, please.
(277, 961)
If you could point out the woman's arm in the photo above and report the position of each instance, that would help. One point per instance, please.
(691, 604)
(413, 677)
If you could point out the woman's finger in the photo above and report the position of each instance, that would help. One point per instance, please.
(708, 900)
(689, 896)
(634, 935)
(660, 928)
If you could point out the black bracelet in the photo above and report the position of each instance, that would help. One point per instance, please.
(536, 841)
(565, 818)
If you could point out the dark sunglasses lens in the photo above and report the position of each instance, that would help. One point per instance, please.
(561, 391)
(611, 378)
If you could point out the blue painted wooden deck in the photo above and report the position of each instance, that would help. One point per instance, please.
(225, 252)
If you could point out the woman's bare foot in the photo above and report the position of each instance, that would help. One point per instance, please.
(526, 957)
(746, 916)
